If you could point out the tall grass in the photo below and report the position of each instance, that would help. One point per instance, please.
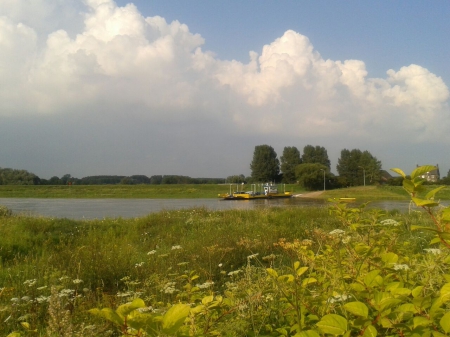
(105, 259)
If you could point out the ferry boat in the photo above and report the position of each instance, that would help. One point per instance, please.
(269, 192)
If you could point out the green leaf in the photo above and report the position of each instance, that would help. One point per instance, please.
(174, 318)
(431, 194)
(421, 170)
(438, 334)
(408, 185)
(286, 278)
(109, 314)
(424, 203)
(14, 334)
(127, 308)
(357, 308)
(302, 270)
(26, 325)
(389, 258)
(372, 278)
(272, 272)
(445, 322)
(445, 292)
(399, 171)
(333, 324)
(420, 321)
(296, 265)
(417, 291)
(370, 331)
(307, 333)
(207, 299)
(308, 280)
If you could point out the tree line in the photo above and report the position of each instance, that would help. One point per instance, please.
(312, 168)
(10, 176)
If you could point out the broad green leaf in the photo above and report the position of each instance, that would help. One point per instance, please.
(207, 299)
(399, 171)
(307, 333)
(417, 291)
(357, 287)
(372, 278)
(174, 318)
(445, 322)
(388, 303)
(127, 308)
(286, 278)
(446, 214)
(408, 185)
(420, 321)
(26, 325)
(333, 324)
(357, 308)
(370, 331)
(296, 265)
(438, 334)
(272, 272)
(445, 292)
(421, 170)
(424, 203)
(301, 271)
(407, 307)
(108, 314)
(14, 334)
(389, 258)
(308, 280)
(431, 194)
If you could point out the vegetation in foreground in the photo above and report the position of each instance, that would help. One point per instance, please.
(273, 272)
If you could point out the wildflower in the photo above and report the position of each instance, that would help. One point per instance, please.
(66, 292)
(220, 265)
(338, 298)
(346, 239)
(235, 272)
(15, 299)
(205, 285)
(30, 283)
(151, 252)
(43, 299)
(401, 267)
(337, 232)
(41, 288)
(434, 251)
(176, 247)
(26, 298)
(140, 264)
(77, 281)
(252, 256)
(389, 222)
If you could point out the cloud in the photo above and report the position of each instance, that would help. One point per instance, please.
(101, 61)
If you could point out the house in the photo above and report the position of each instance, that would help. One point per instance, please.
(432, 176)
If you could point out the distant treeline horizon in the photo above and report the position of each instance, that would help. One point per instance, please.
(10, 176)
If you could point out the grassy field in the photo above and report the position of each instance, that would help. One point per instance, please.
(194, 191)
(104, 263)
(125, 191)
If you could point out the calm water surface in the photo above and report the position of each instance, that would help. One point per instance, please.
(130, 208)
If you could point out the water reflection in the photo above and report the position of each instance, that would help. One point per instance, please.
(128, 208)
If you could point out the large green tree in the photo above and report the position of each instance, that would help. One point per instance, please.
(312, 176)
(315, 155)
(265, 165)
(356, 167)
(289, 161)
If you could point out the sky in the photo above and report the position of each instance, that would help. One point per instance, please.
(93, 87)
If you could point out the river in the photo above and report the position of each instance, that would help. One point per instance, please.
(130, 208)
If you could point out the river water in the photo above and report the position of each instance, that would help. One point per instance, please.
(130, 208)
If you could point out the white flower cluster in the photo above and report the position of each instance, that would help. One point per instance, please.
(252, 256)
(338, 298)
(176, 247)
(140, 264)
(401, 267)
(389, 222)
(205, 285)
(77, 281)
(337, 232)
(169, 288)
(30, 283)
(235, 272)
(434, 251)
(151, 252)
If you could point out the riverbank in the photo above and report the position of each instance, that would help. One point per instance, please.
(197, 191)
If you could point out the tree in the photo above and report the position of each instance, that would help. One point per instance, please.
(311, 176)
(265, 165)
(289, 161)
(315, 155)
(356, 167)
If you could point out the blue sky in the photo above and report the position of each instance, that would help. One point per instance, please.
(177, 87)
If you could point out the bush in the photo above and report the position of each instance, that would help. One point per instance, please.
(5, 211)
